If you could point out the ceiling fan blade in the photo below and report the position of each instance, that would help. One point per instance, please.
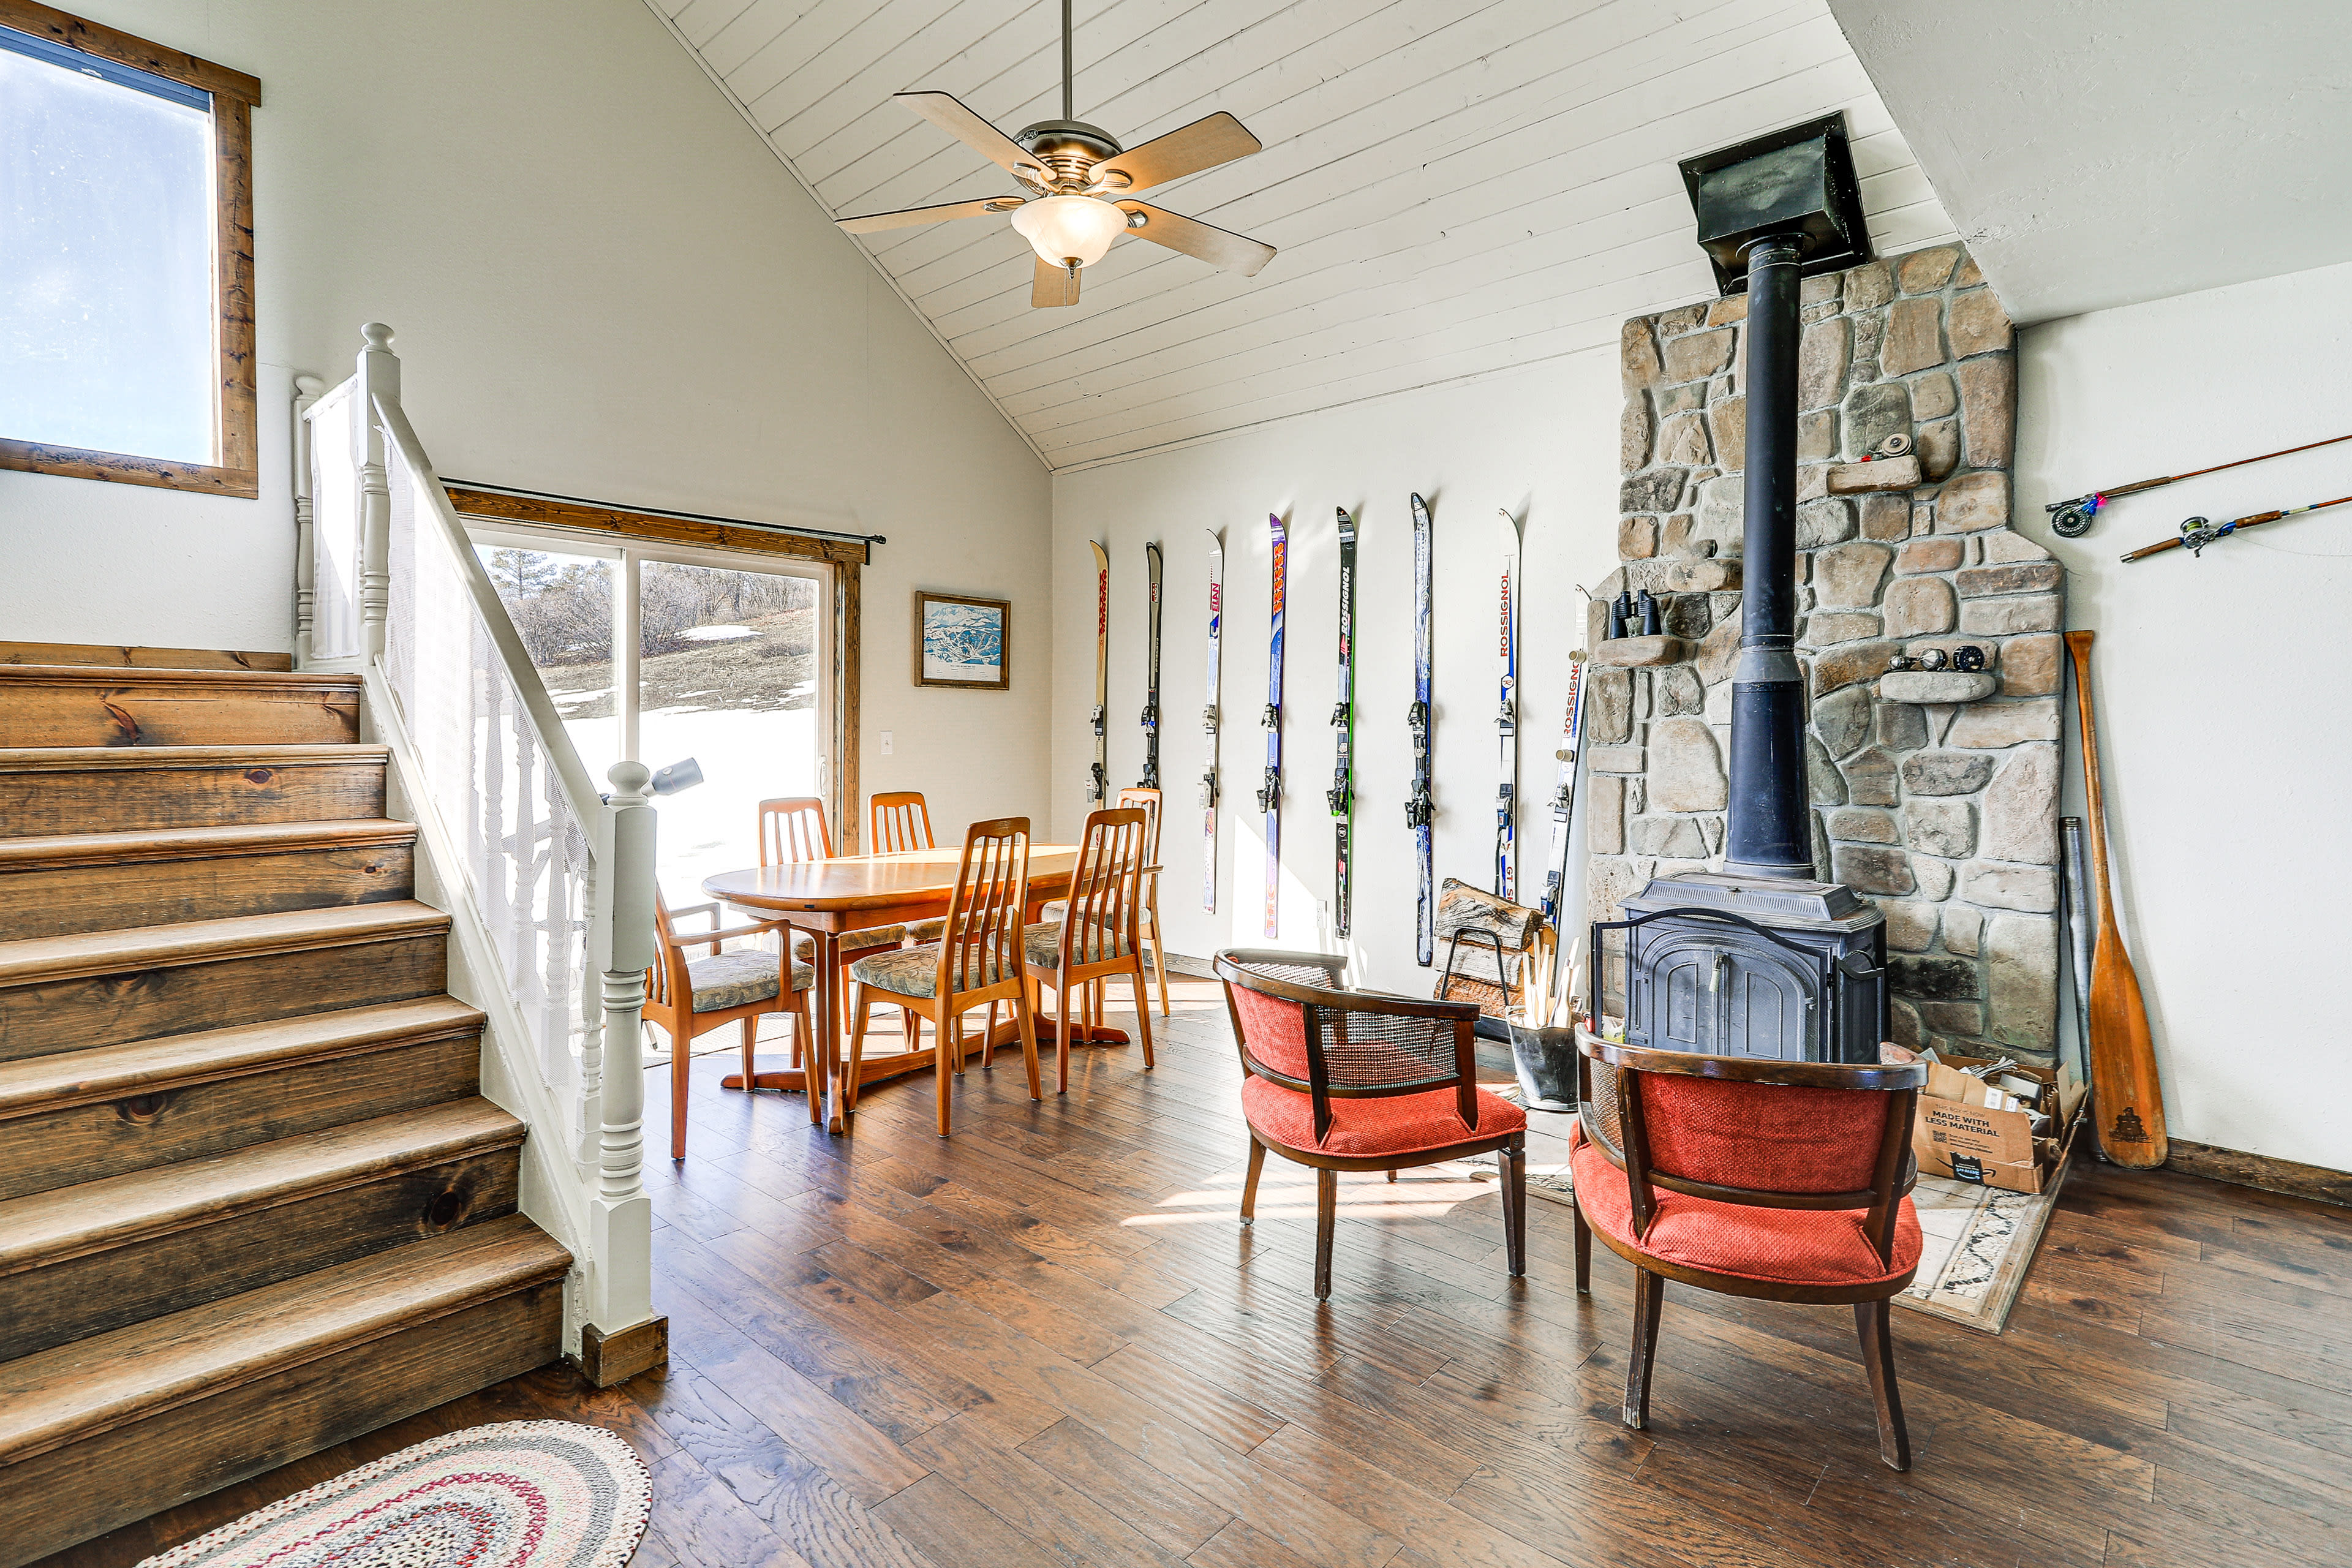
(1053, 285)
(1204, 144)
(906, 217)
(943, 110)
(1219, 247)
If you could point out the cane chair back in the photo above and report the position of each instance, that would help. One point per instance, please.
(982, 941)
(1295, 1025)
(1760, 1133)
(897, 821)
(793, 829)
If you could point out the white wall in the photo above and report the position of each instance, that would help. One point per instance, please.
(1542, 441)
(603, 285)
(2220, 683)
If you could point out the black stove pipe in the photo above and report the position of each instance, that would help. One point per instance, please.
(1769, 831)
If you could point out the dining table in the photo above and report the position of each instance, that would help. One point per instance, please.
(824, 898)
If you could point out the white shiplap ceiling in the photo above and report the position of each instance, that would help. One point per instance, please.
(1457, 186)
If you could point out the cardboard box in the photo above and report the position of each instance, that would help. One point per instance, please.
(1965, 1133)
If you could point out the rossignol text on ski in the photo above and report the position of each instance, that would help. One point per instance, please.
(1151, 672)
(1269, 795)
(1418, 807)
(1342, 794)
(1506, 720)
(1563, 794)
(1208, 724)
(1098, 783)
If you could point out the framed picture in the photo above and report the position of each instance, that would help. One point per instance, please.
(963, 641)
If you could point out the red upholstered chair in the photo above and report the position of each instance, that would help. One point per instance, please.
(1357, 1080)
(1786, 1181)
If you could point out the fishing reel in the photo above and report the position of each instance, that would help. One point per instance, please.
(2071, 519)
(2197, 532)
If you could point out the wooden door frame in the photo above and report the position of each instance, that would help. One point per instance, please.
(844, 559)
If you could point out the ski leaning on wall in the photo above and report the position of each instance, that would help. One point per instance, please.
(1151, 678)
(1563, 794)
(1418, 808)
(1099, 785)
(1208, 724)
(1507, 720)
(1343, 716)
(1269, 795)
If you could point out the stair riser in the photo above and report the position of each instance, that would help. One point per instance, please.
(51, 1500)
(39, 1018)
(85, 1143)
(61, 901)
(117, 800)
(74, 1298)
(124, 711)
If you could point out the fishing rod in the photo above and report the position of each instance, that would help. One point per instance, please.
(2197, 532)
(2071, 519)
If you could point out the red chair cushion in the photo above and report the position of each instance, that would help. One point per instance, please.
(1801, 1246)
(1274, 1030)
(1397, 1124)
(1782, 1137)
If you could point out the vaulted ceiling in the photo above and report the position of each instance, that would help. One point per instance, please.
(1456, 186)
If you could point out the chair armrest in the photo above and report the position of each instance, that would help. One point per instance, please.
(711, 909)
(712, 938)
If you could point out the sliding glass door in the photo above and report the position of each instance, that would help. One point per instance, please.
(721, 663)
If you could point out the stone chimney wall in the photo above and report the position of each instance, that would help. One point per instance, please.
(1945, 814)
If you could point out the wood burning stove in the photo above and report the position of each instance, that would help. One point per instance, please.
(1760, 959)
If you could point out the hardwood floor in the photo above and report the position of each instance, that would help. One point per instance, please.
(1045, 1341)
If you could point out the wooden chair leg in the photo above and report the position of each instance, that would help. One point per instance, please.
(1062, 1040)
(910, 1027)
(1874, 1322)
(1512, 1158)
(1649, 1296)
(1583, 1248)
(958, 1045)
(1159, 960)
(750, 1027)
(858, 1010)
(1143, 1014)
(943, 1025)
(1392, 1175)
(680, 1071)
(1025, 1015)
(1326, 1222)
(1249, 1183)
(801, 1036)
(988, 1042)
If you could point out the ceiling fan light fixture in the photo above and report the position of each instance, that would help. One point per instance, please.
(1066, 229)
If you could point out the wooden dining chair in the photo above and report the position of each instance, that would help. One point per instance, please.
(1782, 1181)
(897, 821)
(793, 828)
(976, 963)
(1096, 937)
(687, 997)
(1362, 1080)
(1148, 908)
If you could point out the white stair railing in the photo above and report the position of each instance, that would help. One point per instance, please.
(548, 880)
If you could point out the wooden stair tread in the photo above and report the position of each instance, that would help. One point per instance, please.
(85, 759)
(42, 958)
(118, 657)
(75, 1391)
(229, 680)
(57, 849)
(148, 1066)
(114, 1211)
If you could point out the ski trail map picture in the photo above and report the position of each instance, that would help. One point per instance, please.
(963, 641)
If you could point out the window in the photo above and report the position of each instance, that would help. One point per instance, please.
(126, 259)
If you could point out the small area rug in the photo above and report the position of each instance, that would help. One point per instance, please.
(522, 1494)
(1980, 1241)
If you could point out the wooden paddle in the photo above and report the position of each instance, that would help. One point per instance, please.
(2125, 1096)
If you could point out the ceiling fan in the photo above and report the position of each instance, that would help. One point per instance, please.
(1078, 184)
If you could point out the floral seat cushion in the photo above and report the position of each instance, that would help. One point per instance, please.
(852, 941)
(1042, 946)
(737, 979)
(914, 972)
(927, 931)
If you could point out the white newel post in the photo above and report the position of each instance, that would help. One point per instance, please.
(621, 1215)
(307, 389)
(379, 378)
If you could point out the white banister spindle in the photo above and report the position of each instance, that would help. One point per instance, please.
(622, 1295)
(379, 379)
(307, 389)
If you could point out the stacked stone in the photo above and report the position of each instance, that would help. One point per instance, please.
(1945, 814)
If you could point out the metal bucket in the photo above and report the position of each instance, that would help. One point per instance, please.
(1545, 1059)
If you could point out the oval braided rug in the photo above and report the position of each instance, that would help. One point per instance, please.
(545, 1494)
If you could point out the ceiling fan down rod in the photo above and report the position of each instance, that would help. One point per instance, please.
(1068, 110)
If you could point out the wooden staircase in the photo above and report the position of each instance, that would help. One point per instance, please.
(252, 1202)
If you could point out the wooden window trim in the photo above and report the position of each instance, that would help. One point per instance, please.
(846, 557)
(235, 96)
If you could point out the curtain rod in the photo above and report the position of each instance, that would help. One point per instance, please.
(664, 511)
